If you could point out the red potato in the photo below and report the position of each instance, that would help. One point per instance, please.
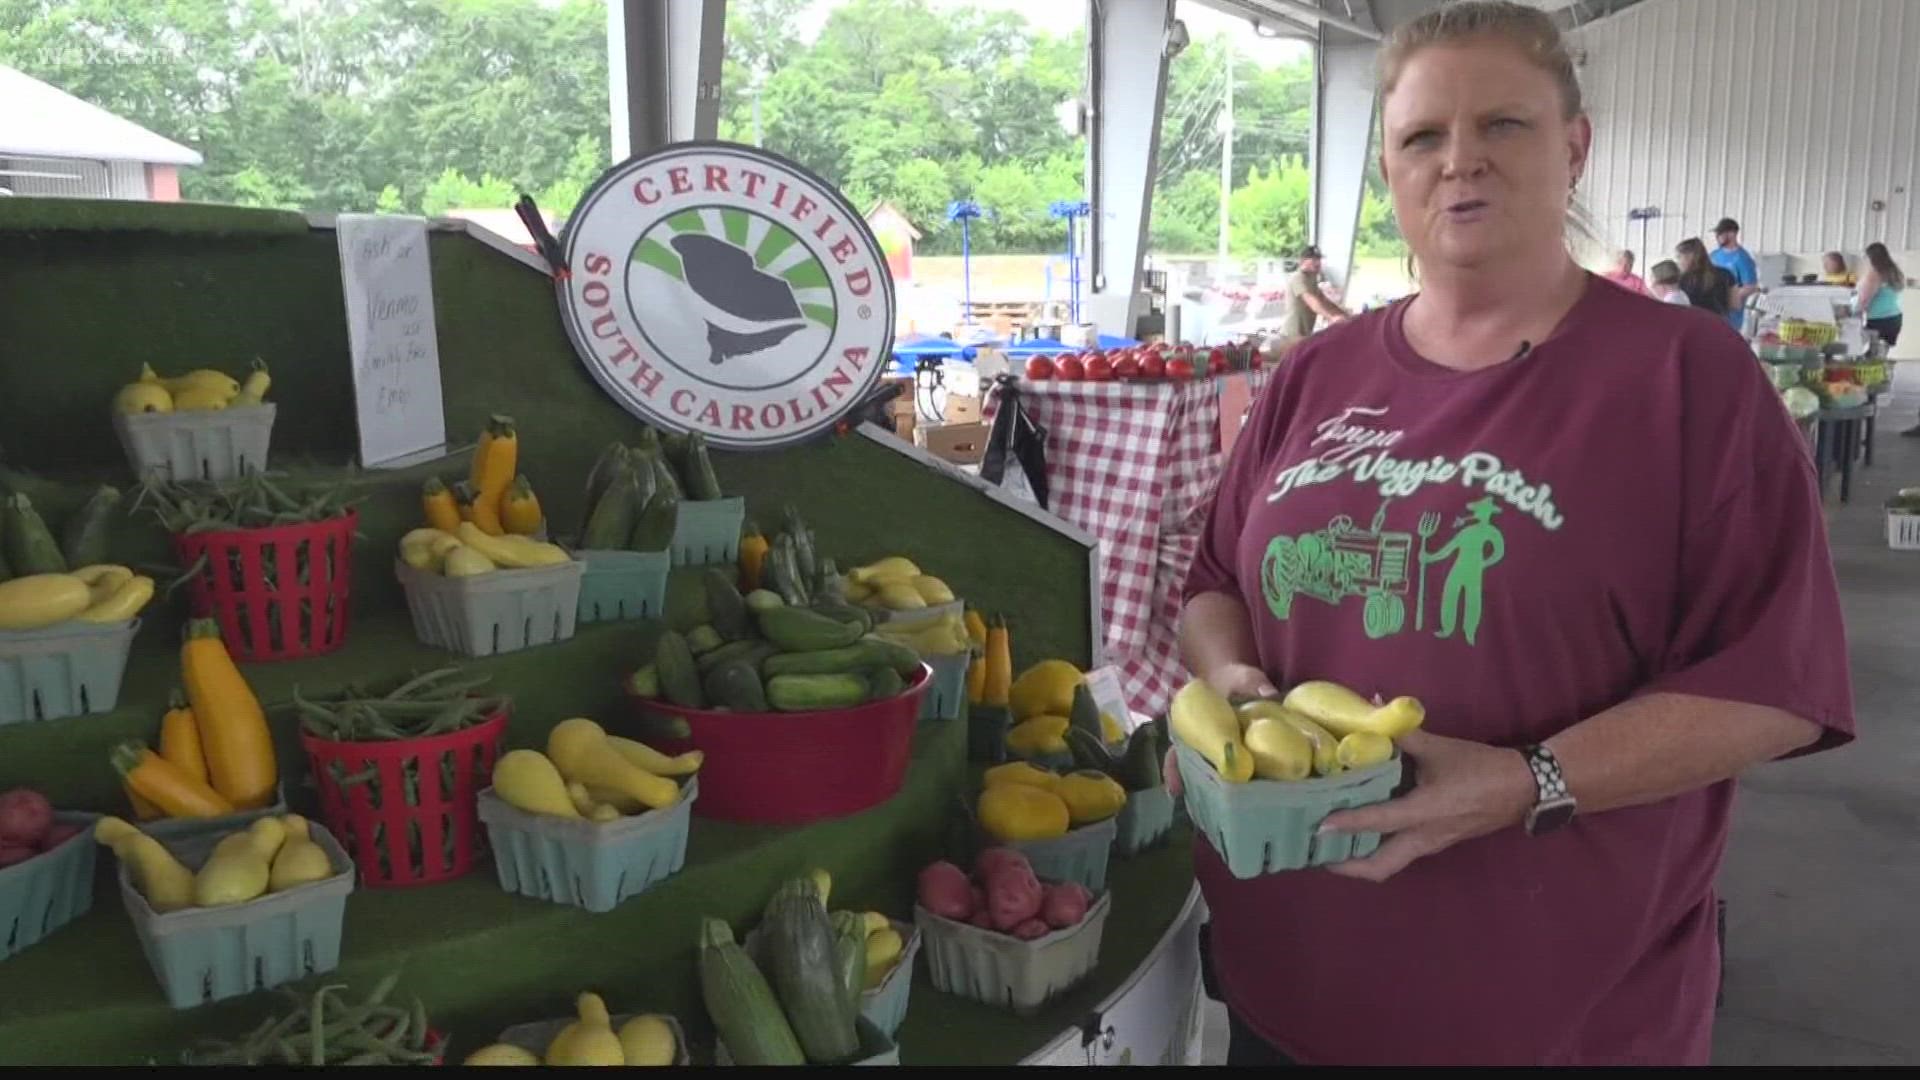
(25, 816)
(1032, 928)
(16, 853)
(1013, 895)
(944, 890)
(982, 919)
(59, 833)
(979, 898)
(993, 857)
(1065, 904)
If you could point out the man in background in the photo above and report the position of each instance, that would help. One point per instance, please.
(1305, 302)
(1622, 274)
(1733, 258)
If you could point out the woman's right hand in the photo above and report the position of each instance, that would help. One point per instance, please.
(1233, 681)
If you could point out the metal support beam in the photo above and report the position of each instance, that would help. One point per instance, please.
(663, 71)
(1345, 92)
(1127, 43)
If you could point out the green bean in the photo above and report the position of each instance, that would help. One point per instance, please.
(419, 682)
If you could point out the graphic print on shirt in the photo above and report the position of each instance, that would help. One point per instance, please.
(1381, 566)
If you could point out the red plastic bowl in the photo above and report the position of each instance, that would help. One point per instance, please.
(785, 768)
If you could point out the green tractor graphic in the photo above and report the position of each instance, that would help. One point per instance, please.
(1340, 561)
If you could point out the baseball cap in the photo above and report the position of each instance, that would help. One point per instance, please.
(1726, 225)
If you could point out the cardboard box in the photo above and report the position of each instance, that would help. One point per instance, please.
(902, 408)
(962, 409)
(962, 444)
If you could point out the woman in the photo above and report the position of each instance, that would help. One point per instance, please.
(1880, 289)
(1570, 480)
(1833, 269)
(1707, 286)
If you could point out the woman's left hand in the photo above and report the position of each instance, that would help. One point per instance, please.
(1462, 789)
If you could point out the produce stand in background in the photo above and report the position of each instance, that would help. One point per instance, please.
(219, 285)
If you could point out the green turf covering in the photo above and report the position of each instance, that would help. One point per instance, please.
(94, 289)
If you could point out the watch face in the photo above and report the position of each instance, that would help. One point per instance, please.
(1550, 816)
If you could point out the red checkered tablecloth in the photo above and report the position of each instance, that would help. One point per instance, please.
(1135, 465)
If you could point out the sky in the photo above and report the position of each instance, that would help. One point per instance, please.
(1060, 16)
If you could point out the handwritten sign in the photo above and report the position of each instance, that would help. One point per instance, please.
(1109, 696)
(390, 332)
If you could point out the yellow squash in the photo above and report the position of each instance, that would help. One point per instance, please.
(1023, 812)
(233, 726)
(1280, 751)
(578, 748)
(648, 1039)
(1202, 719)
(1022, 772)
(167, 885)
(41, 600)
(1364, 748)
(526, 780)
(123, 604)
(1090, 796)
(143, 397)
(1039, 735)
(1343, 712)
(655, 762)
(502, 1054)
(589, 1040)
(241, 866)
(300, 860)
(1045, 689)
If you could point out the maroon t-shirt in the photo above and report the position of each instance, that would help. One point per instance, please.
(1624, 509)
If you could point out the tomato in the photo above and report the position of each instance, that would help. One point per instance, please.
(1039, 368)
(1069, 369)
(1098, 370)
(1126, 368)
(1179, 368)
(1153, 367)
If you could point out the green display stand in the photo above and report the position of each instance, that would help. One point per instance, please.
(109, 285)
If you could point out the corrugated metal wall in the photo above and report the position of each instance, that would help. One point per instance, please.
(94, 179)
(1792, 116)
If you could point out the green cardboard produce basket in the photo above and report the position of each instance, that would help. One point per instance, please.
(68, 669)
(1004, 971)
(216, 444)
(209, 954)
(1080, 855)
(50, 890)
(886, 1004)
(1144, 821)
(708, 532)
(534, 1037)
(623, 585)
(586, 864)
(496, 612)
(876, 1047)
(946, 696)
(1266, 826)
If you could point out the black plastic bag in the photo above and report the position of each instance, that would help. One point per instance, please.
(1018, 441)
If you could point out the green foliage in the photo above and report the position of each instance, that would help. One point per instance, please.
(426, 105)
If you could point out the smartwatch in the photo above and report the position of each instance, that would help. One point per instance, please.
(1553, 804)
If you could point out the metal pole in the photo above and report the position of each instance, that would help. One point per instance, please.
(1226, 162)
(966, 271)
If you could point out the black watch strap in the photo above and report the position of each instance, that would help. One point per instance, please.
(1553, 805)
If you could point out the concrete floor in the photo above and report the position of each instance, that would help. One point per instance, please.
(1822, 879)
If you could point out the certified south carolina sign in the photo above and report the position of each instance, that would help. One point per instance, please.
(722, 289)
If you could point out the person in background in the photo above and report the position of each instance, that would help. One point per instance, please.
(1733, 258)
(1305, 302)
(1666, 283)
(1622, 274)
(1707, 286)
(1833, 269)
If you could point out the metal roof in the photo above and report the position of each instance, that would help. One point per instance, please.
(44, 121)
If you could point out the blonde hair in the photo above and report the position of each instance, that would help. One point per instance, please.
(1528, 29)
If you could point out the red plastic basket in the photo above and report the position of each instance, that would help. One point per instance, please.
(785, 768)
(431, 839)
(285, 618)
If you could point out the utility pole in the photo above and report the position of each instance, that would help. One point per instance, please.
(1226, 159)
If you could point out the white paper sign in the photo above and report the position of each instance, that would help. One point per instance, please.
(1109, 696)
(390, 330)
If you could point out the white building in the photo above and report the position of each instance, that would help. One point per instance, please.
(52, 143)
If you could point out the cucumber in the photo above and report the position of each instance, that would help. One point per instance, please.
(1139, 766)
(841, 611)
(868, 652)
(679, 679)
(750, 650)
(653, 531)
(702, 484)
(84, 539)
(809, 693)
(745, 1013)
(644, 682)
(883, 683)
(611, 521)
(30, 547)
(1085, 715)
(796, 629)
(736, 686)
(704, 639)
(763, 600)
(726, 608)
(652, 727)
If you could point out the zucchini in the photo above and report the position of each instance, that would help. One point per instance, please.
(1089, 752)
(1085, 715)
(811, 693)
(883, 683)
(744, 1011)
(653, 529)
(649, 441)
(702, 484)
(611, 522)
(1139, 766)
(679, 679)
(726, 608)
(598, 478)
(800, 946)
(868, 652)
(84, 538)
(841, 611)
(804, 557)
(795, 629)
(850, 955)
(663, 477)
(30, 547)
(735, 685)
(764, 600)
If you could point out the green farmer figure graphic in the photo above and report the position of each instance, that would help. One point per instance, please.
(1475, 546)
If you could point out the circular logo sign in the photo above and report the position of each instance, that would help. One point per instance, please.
(722, 289)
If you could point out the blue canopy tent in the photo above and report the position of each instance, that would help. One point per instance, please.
(910, 350)
(1049, 346)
